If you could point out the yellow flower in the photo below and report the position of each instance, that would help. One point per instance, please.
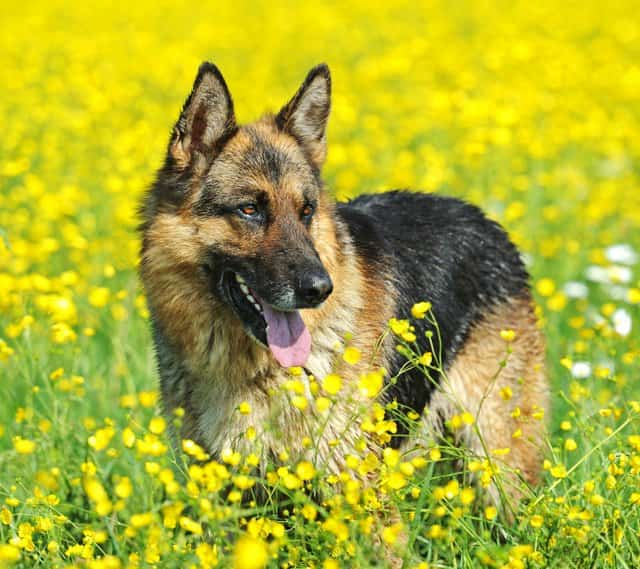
(123, 488)
(396, 481)
(99, 297)
(61, 333)
(299, 402)
(243, 482)
(419, 309)
(351, 355)
(371, 383)
(545, 287)
(508, 335)
(425, 359)
(506, 393)
(9, 553)
(128, 437)
(23, 446)
(467, 418)
(230, 457)
(403, 329)
(332, 384)
(187, 524)
(337, 528)
(391, 533)
(490, 512)
(291, 481)
(244, 408)
(148, 398)
(633, 295)
(309, 512)
(558, 471)
(101, 438)
(250, 553)
(501, 451)
(6, 516)
(305, 470)
(141, 520)
(5, 351)
(157, 425)
(536, 521)
(435, 454)
(98, 495)
(557, 302)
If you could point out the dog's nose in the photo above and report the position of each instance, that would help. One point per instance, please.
(314, 287)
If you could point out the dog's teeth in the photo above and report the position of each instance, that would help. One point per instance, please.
(244, 288)
(250, 298)
(257, 307)
(239, 278)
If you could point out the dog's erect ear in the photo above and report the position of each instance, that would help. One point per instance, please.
(206, 121)
(305, 116)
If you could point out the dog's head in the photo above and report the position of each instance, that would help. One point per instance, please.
(237, 208)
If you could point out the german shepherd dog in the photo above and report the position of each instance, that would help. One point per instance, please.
(250, 268)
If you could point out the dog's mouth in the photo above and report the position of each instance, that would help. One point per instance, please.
(282, 332)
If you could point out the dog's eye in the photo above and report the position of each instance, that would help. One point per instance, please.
(248, 210)
(307, 211)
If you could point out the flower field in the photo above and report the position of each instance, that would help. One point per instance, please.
(529, 109)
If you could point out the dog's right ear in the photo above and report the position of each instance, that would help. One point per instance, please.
(207, 120)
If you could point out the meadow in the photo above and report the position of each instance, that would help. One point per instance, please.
(530, 110)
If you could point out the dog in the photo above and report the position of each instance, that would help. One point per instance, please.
(250, 269)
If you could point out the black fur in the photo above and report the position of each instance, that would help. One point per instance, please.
(438, 249)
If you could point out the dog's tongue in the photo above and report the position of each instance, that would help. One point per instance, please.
(288, 337)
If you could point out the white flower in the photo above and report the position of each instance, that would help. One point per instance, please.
(597, 274)
(575, 289)
(621, 253)
(619, 274)
(581, 370)
(617, 292)
(621, 322)
(608, 275)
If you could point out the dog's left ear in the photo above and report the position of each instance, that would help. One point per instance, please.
(305, 115)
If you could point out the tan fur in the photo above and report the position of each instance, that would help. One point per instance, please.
(474, 384)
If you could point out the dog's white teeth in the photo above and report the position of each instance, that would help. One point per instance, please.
(245, 290)
(253, 301)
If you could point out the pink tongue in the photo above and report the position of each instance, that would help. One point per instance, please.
(288, 337)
